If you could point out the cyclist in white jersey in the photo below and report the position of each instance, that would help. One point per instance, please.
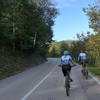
(82, 58)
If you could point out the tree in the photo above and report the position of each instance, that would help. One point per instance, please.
(93, 12)
(23, 22)
(57, 48)
(63, 46)
(93, 43)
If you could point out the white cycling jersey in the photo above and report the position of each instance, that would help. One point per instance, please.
(82, 56)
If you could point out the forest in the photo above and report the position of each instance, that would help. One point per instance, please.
(25, 33)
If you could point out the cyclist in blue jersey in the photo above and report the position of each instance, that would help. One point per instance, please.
(66, 61)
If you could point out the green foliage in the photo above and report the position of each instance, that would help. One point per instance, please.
(26, 25)
(93, 12)
(95, 70)
(57, 48)
(63, 46)
(93, 48)
(25, 29)
(93, 43)
(54, 50)
(90, 43)
(79, 45)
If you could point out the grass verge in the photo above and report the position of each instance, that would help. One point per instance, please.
(95, 70)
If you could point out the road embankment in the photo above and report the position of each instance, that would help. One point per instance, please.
(10, 65)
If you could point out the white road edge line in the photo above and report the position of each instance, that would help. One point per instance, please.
(34, 88)
(95, 78)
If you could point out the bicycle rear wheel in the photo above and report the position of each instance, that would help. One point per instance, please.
(67, 86)
(83, 72)
(86, 74)
(67, 91)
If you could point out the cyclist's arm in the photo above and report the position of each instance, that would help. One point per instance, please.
(79, 56)
(61, 60)
(71, 59)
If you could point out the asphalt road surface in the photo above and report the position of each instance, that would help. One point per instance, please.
(45, 82)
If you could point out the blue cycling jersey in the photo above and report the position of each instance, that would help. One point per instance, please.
(66, 59)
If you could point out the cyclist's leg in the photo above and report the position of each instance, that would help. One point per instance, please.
(82, 66)
(86, 70)
(85, 67)
(69, 70)
(64, 74)
(70, 73)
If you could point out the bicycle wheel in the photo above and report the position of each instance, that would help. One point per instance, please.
(86, 74)
(83, 72)
(67, 90)
(67, 85)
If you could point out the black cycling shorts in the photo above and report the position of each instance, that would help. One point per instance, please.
(66, 69)
(83, 63)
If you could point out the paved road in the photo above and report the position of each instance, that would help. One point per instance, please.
(45, 82)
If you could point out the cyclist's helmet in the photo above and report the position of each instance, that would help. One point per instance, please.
(66, 52)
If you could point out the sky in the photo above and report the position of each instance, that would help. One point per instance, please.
(71, 19)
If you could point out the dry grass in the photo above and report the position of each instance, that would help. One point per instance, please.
(10, 65)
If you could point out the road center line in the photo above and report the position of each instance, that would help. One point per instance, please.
(95, 78)
(34, 88)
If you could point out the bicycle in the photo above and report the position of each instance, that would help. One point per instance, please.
(67, 80)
